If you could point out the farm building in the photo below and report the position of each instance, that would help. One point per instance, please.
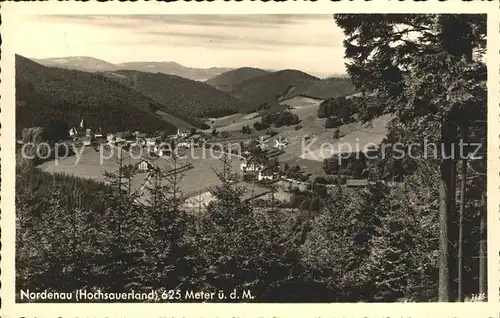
(144, 166)
(267, 174)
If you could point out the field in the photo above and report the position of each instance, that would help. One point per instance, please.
(224, 122)
(355, 136)
(89, 165)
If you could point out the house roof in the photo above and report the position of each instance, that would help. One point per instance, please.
(146, 161)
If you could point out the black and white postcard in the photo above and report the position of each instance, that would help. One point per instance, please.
(251, 157)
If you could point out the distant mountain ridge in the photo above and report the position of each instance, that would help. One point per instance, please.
(81, 63)
(91, 64)
(173, 68)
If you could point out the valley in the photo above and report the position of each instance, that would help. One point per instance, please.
(222, 113)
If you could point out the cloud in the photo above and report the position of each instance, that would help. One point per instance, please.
(309, 42)
(241, 40)
(227, 20)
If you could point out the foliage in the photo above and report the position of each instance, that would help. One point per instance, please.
(336, 134)
(258, 126)
(333, 122)
(340, 107)
(284, 118)
(327, 88)
(246, 129)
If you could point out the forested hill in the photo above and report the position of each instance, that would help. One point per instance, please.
(326, 88)
(180, 96)
(227, 80)
(271, 87)
(44, 93)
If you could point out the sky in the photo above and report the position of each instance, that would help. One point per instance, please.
(311, 43)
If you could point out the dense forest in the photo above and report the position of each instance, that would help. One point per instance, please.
(183, 97)
(69, 239)
(46, 93)
(326, 88)
(228, 80)
(271, 87)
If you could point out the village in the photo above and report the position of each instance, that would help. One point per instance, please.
(260, 162)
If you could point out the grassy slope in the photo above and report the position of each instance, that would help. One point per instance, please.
(44, 93)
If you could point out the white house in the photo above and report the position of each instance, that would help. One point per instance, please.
(151, 141)
(184, 144)
(74, 132)
(266, 174)
(119, 139)
(111, 138)
(182, 133)
(250, 167)
(144, 165)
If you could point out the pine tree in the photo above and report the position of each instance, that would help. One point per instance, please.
(168, 251)
(122, 259)
(433, 78)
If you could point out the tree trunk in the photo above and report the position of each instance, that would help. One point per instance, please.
(447, 189)
(483, 256)
(465, 134)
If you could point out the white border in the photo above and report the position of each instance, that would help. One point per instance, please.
(7, 139)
